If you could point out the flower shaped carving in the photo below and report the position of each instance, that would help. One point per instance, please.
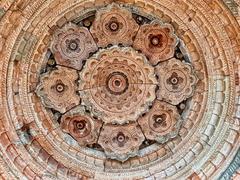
(118, 84)
(81, 126)
(114, 25)
(129, 87)
(123, 141)
(176, 81)
(161, 123)
(71, 45)
(57, 89)
(156, 41)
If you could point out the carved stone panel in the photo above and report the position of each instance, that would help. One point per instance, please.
(71, 45)
(124, 90)
(114, 25)
(123, 141)
(156, 41)
(58, 89)
(119, 84)
(161, 123)
(81, 126)
(176, 81)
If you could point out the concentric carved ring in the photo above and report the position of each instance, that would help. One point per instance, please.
(118, 84)
(181, 128)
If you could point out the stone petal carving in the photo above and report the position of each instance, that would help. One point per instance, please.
(156, 41)
(161, 123)
(81, 126)
(57, 89)
(118, 84)
(71, 45)
(176, 81)
(121, 142)
(114, 25)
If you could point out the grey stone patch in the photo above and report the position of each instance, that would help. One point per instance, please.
(233, 6)
(232, 168)
(2, 12)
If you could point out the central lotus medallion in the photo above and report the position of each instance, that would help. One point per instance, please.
(116, 82)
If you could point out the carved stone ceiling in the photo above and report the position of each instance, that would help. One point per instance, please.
(127, 89)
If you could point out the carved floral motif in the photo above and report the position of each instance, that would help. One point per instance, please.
(119, 84)
(127, 93)
(57, 89)
(176, 81)
(156, 41)
(114, 25)
(123, 141)
(71, 45)
(161, 123)
(81, 126)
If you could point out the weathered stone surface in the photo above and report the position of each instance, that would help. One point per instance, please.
(60, 136)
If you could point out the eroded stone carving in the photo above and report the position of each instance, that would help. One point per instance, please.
(119, 84)
(176, 81)
(71, 45)
(33, 144)
(161, 123)
(156, 41)
(114, 25)
(123, 141)
(81, 126)
(57, 89)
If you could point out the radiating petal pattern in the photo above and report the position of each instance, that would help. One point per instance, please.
(58, 89)
(177, 81)
(114, 25)
(72, 45)
(156, 41)
(118, 84)
(123, 141)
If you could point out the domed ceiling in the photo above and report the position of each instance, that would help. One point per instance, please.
(127, 89)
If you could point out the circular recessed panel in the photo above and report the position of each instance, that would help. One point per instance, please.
(133, 90)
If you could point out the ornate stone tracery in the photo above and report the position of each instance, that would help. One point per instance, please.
(161, 123)
(123, 142)
(124, 90)
(176, 81)
(156, 41)
(71, 45)
(119, 84)
(81, 126)
(58, 89)
(114, 25)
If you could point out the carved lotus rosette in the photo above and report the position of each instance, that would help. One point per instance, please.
(57, 89)
(118, 84)
(161, 123)
(71, 45)
(156, 41)
(81, 126)
(114, 25)
(123, 141)
(176, 81)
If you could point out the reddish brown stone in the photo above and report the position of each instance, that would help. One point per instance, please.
(123, 142)
(114, 25)
(71, 45)
(156, 41)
